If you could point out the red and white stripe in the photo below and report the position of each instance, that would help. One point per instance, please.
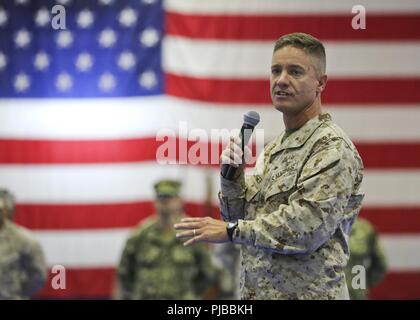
(83, 170)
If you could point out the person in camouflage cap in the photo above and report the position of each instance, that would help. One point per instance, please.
(365, 251)
(23, 269)
(293, 215)
(156, 265)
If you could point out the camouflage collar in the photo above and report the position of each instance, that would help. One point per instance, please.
(159, 235)
(300, 136)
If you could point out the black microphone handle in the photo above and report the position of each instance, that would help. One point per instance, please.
(229, 171)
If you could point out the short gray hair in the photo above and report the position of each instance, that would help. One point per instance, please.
(311, 45)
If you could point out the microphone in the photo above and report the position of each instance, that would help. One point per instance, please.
(251, 119)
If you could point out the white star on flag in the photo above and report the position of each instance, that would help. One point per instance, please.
(64, 2)
(42, 17)
(126, 60)
(3, 17)
(106, 2)
(106, 82)
(64, 39)
(84, 62)
(64, 82)
(127, 17)
(85, 19)
(3, 61)
(21, 2)
(22, 38)
(107, 38)
(148, 79)
(149, 37)
(42, 61)
(22, 82)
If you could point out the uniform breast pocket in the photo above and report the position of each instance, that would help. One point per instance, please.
(279, 188)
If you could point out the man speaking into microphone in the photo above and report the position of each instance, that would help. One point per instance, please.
(292, 217)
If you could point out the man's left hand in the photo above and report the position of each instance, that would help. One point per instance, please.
(202, 230)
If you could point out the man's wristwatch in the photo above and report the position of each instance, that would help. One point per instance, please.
(231, 226)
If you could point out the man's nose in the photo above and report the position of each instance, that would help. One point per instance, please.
(282, 80)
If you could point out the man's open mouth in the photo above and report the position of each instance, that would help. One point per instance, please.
(282, 94)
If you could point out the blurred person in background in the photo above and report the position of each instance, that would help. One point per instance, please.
(366, 251)
(23, 270)
(156, 265)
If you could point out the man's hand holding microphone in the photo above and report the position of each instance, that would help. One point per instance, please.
(233, 158)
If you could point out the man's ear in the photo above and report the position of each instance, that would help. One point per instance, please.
(322, 82)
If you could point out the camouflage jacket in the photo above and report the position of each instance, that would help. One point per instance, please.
(22, 266)
(156, 265)
(295, 213)
(227, 256)
(365, 251)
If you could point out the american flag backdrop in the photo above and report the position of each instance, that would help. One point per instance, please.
(80, 109)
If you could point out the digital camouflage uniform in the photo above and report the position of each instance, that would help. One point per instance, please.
(294, 215)
(156, 265)
(22, 266)
(366, 251)
(227, 256)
